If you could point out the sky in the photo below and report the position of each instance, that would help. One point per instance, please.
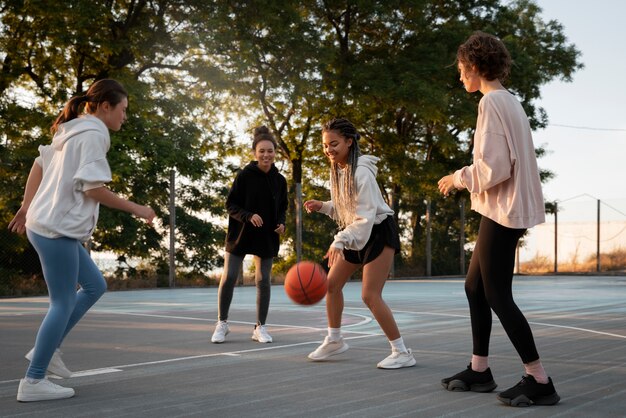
(588, 162)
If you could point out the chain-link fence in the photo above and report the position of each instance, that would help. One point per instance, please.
(586, 235)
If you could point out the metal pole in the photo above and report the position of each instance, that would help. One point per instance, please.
(462, 238)
(556, 239)
(428, 244)
(298, 221)
(172, 252)
(598, 241)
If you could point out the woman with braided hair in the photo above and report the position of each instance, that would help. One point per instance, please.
(368, 238)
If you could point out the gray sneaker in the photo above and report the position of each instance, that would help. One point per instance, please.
(220, 333)
(56, 365)
(329, 348)
(44, 390)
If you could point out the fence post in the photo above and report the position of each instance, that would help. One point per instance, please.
(462, 238)
(428, 243)
(598, 241)
(298, 221)
(556, 239)
(172, 252)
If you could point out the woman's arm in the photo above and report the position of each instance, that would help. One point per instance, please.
(18, 223)
(113, 201)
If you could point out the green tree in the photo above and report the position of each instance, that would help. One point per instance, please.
(51, 53)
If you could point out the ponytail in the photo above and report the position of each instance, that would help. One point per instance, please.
(105, 90)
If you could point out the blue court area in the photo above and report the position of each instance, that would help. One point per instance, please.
(147, 354)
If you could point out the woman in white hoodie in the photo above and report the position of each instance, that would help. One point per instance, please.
(368, 238)
(59, 212)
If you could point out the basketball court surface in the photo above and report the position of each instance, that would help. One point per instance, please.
(148, 353)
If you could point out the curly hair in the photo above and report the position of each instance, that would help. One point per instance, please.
(486, 54)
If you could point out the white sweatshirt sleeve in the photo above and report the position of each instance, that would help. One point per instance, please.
(93, 170)
(358, 232)
(493, 162)
(328, 208)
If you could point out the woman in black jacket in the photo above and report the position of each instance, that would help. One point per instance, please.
(256, 204)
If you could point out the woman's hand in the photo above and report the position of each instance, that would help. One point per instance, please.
(312, 206)
(256, 220)
(18, 223)
(446, 184)
(334, 254)
(146, 212)
(280, 229)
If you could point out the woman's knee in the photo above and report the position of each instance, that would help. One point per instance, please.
(335, 286)
(370, 298)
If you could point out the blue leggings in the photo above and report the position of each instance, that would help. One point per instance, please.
(65, 263)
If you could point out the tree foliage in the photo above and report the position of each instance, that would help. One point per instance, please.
(196, 69)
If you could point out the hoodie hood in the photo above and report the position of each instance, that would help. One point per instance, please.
(78, 126)
(369, 162)
(253, 166)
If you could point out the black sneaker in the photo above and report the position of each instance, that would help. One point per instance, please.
(528, 392)
(469, 379)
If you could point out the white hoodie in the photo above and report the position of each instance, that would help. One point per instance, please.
(371, 208)
(73, 163)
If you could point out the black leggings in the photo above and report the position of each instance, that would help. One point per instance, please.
(232, 266)
(488, 286)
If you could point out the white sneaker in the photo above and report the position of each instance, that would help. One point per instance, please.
(260, 334)
(44, 390)
(56, 365)
(397, 360)
(328, 348)
(220, 333)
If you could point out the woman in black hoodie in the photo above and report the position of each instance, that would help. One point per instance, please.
(256, 204)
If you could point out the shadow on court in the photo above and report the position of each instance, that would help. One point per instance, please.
(147, 354)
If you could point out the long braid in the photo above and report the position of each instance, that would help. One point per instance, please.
(342, 187)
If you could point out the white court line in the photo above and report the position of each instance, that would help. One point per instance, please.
(365, 320)
(609, 334)
(237, 353)
(94, 372)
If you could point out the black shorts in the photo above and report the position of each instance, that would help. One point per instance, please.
(385, 234)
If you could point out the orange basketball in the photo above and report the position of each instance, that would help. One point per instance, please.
(305, 283)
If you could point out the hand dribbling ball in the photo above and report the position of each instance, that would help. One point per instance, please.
(305, 283)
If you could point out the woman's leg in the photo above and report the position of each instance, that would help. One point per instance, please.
(262, 273)
(59, 261)
(497, 259)
(480, 311)
(338, 275)
(232, 266)
(375, 275)
(92, 287)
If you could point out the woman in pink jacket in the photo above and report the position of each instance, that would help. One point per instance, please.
(505, 189)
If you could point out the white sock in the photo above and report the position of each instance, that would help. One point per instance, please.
(32, 380)
(334, 334)
(398, 345)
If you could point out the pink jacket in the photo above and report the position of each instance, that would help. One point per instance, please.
(503, 179)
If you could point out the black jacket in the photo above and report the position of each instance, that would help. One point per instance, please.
(265, 194)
